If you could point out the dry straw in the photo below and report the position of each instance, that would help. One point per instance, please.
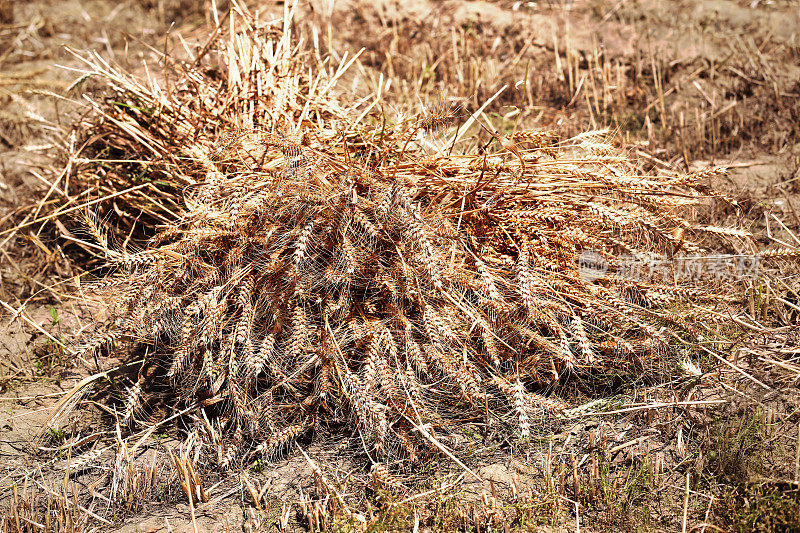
(308, 270)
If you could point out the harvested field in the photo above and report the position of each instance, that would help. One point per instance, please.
(441, 266)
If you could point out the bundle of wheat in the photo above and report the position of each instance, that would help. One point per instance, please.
(320, 270)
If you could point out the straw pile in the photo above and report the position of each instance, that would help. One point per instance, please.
(311, 265)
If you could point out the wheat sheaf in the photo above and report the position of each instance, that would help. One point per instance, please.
(346, 281)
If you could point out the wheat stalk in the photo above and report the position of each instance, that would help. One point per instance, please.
(301, 287)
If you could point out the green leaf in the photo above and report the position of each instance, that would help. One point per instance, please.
(53, 314)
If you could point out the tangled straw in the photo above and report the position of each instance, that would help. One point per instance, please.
(321, 276)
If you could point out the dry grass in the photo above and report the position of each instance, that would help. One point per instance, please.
(320, 266)
(281, 264)
(682, 83)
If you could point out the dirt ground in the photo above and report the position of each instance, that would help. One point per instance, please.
(681, 85)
